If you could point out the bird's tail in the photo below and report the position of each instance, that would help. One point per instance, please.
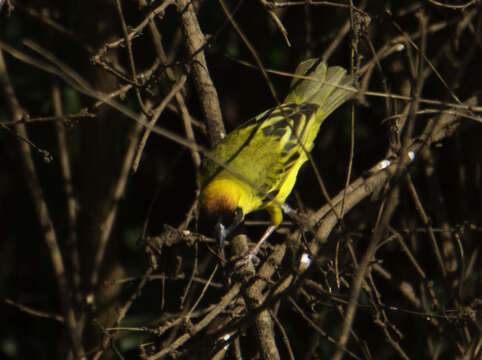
(315, 83)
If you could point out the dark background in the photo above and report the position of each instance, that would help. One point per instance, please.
(403, 312)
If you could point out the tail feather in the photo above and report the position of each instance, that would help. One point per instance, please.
(327, 87)
(338, 95)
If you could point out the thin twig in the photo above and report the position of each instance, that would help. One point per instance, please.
(43, 213)
(34, 312)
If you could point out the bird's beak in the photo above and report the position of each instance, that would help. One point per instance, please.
(223, 231)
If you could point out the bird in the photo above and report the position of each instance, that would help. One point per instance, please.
(256, 165)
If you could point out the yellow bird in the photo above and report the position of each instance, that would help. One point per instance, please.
(255, 166)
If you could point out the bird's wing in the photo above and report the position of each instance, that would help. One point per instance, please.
(264, 149)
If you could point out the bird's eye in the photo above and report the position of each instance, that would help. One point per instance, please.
(230, 219)
(238, 217)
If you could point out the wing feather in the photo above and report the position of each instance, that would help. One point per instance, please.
(265, 149)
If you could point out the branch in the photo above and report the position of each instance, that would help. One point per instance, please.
(42, 211)
(208, 96)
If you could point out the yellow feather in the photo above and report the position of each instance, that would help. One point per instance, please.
(263, 156)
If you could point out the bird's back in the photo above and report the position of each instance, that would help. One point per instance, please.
(266, 152)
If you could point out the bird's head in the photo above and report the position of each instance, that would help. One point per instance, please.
(222, 205)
